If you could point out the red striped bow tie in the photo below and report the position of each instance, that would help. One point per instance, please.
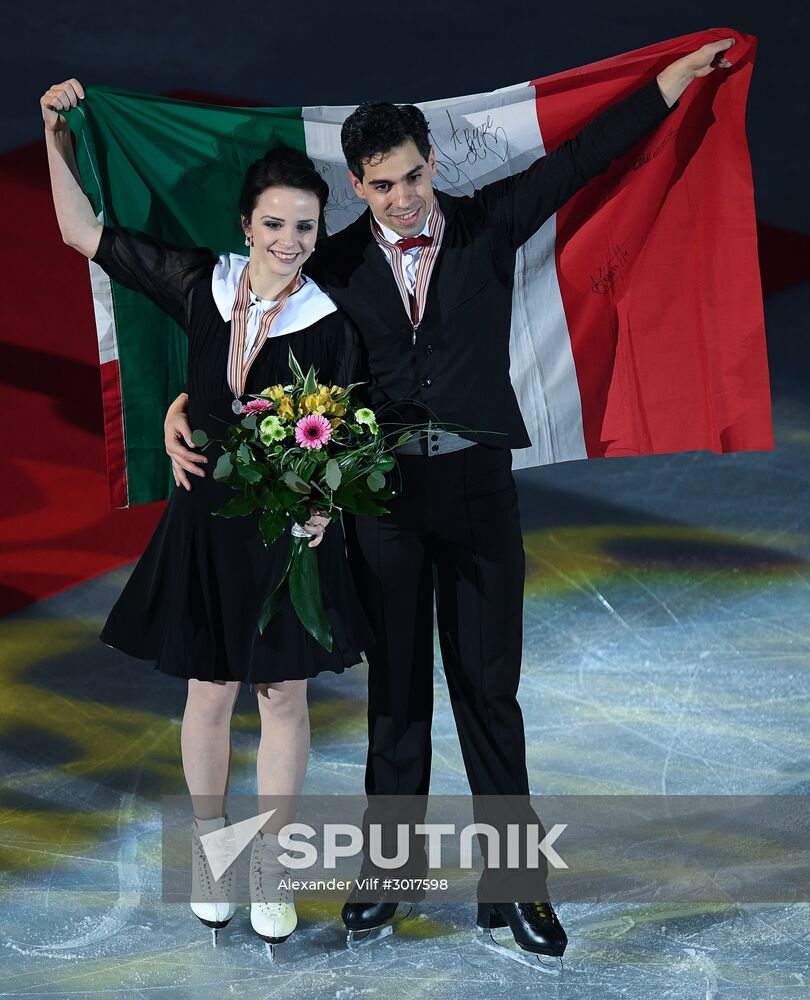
(409, 242)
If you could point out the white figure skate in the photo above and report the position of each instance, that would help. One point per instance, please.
(272, 909)
(210, 897)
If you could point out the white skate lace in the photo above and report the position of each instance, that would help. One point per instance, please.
(269, 880)
(205, 888)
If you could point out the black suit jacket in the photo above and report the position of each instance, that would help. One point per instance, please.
(458, 370)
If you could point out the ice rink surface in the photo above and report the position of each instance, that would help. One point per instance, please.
(667, 642)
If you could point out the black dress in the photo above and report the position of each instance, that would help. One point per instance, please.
(193, 600)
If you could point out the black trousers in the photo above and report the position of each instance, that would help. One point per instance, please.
(453, 533)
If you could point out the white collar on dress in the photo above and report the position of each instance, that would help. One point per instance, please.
(302, 308)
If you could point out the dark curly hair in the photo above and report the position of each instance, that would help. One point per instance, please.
(376, 127)
(281, 166)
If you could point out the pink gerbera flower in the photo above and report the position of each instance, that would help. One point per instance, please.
(313, 431)
(256, 406)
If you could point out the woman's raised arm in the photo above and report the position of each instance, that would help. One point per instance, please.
(77, 221)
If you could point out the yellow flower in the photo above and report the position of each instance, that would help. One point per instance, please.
(275, 392)
(323, 402)
(286, 407)
(316, 402)
(336, 422)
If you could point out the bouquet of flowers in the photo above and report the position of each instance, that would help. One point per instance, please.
(301, 447)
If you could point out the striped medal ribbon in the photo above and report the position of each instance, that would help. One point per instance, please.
(238, 364)
(424, 266)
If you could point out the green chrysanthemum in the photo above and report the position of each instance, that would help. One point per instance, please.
(366, 416)
(272, 429)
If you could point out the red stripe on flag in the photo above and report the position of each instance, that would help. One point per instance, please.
(114, 434)
(657, 263)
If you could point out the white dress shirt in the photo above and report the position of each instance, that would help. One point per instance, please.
(410, 258)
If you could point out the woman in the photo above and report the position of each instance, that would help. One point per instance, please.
(192, 603)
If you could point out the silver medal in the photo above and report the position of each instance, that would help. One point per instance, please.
(236, 406)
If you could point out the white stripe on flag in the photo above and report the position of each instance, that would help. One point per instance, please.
(480, 139)
(106, 333)
(541, 361)
(322, 138)
(105, 314)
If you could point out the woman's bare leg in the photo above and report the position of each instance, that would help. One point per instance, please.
(205, 741)
(283, 749)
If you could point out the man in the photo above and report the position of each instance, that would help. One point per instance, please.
(427, 280)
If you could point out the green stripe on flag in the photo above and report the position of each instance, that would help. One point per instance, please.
(172, 169)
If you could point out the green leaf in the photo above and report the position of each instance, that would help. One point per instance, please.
(305, 593)
(288, 498)
(344, 496)
(362, 504)
(295, 482)
(404, 438)
(249, 423)
(270, 608)
(245, 454)
(385, 463)
(272, 524)
(248, 474)
(224, 466)
(295, 368)
(274, 601)
(238, 507)
(332, 474)
(199, 438)
(376, 481)
(310, 382)
(269, 500)
(299, 513)
(349, 389)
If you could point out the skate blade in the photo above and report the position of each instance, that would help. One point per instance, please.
(357, 940)
(548, 964)
(270, 951)
(215, 929)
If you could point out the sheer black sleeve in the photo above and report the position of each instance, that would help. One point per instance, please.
(519, 205)
(163, 273)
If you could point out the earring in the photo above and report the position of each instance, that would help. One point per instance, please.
(248, 240)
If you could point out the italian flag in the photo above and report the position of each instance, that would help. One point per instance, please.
(637, 311)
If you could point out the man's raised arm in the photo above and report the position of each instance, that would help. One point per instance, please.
(522, 203)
